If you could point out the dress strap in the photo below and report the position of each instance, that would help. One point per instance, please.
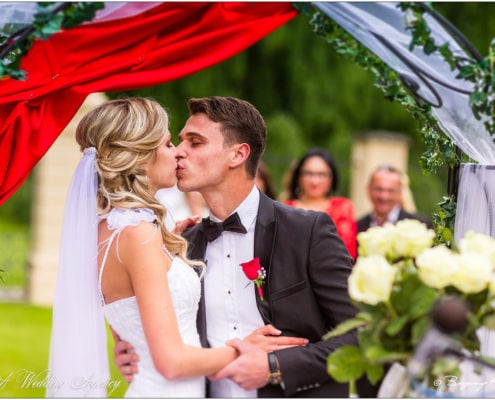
(168, 252)
(104, 261)
(118, 219)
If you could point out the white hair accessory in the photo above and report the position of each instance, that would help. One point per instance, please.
(89, 150)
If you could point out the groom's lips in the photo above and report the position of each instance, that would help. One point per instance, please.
(178, 170)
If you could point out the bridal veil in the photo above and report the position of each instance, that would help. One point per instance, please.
(78, 365)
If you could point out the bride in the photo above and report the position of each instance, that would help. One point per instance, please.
(119, 261)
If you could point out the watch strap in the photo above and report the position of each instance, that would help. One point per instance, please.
(275, 375)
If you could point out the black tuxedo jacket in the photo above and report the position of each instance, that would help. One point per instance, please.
(307, 267)
(364, 222)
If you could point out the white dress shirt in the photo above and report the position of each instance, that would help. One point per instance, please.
(231, 310)
(392, 216)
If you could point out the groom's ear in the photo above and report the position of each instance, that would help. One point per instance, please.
(240, 153)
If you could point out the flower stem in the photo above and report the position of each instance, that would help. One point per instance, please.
(352, 390)
(391, 309)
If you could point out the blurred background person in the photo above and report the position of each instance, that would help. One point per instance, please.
(312, 185)
(263, 180)
(386, 193)
(181, 205)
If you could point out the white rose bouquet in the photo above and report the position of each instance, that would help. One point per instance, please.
(397, 279)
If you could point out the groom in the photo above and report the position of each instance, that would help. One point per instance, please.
(306, 263)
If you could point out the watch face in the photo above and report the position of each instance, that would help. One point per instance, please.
(275, 378)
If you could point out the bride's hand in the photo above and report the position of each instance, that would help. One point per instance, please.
(269, 339)
(181, 226)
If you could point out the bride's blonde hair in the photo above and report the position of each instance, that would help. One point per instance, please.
(126, 134)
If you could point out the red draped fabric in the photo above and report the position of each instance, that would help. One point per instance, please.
(164, 43)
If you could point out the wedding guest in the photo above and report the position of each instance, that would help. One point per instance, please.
(312, 186)
(385, 191)
(306, 265)
(181, 206)
(134, 270)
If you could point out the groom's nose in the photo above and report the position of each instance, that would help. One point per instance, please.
(180, 153)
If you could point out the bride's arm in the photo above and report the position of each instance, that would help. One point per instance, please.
(141, 251)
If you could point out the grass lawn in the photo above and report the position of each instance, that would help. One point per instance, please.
(24, 345)
(14, 241)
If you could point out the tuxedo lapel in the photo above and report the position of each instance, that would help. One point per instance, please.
(197, 250)
(264, 241)
(197, 243)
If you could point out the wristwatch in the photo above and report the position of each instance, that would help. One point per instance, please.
(275, 375)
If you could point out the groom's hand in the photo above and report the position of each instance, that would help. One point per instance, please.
(125, 358)
(181, 226)
(249, 370)
(268, 339)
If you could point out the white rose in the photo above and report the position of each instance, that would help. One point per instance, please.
(473, 274)
(478, 243)
(371, 280)
(411, 238)
(436, 266)
(376, 240)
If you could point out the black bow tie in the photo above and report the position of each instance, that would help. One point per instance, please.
(213, 230)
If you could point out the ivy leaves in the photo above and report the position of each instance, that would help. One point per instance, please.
(476, 69)
(482, 101)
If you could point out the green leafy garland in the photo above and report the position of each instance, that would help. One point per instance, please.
(440, 150)
(479, 72)
(14, 43)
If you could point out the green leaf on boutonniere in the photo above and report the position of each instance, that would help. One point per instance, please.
(346, 364)
(345, 327)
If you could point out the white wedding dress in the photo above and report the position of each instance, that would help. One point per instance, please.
(123, 315)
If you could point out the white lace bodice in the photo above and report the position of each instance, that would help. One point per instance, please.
(123, 315)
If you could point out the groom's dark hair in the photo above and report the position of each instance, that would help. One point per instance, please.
(240, 122)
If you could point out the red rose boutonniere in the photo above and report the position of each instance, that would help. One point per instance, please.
(256, 273)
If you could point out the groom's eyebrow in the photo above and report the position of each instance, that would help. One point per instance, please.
(189, 135)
